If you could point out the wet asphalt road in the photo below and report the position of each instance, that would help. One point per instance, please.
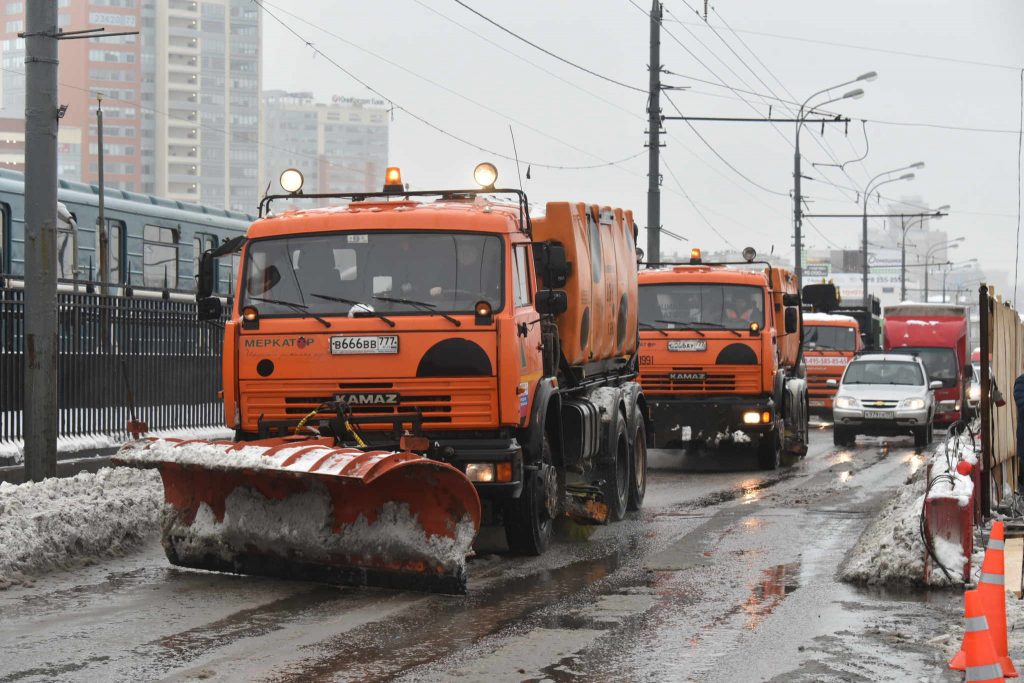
(726, 575)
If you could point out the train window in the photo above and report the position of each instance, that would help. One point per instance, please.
(202, 242)
(160, 257)
(115, 243)
(522, 276)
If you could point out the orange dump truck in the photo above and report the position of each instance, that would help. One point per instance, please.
(720, 357)
(451, 328)
(830, 343)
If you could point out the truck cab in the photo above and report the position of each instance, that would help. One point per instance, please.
(830, 343)
(719, 352)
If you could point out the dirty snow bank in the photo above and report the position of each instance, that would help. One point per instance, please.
(15, 450)
(60, 523)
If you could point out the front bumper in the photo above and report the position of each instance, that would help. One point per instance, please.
(678, 421)
(901, 422)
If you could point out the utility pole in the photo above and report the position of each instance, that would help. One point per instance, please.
(797, 214)
(41, 107)
(104, 238)
(654, 139)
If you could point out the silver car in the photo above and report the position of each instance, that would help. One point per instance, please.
(884, 395)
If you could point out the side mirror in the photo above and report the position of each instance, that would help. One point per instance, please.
(790, 299)
(936, 384)
(551, 302)
(550, 262)
(206, 278)
(792, 319)
(832, 382)
(210, 308)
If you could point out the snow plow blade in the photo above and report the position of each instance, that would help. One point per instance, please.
(305, 509)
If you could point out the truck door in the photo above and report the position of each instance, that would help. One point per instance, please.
(528, 338)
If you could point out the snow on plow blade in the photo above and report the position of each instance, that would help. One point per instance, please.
(304, 509)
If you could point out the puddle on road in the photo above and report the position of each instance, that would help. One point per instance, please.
(914, 461)
(765, 596)
(751, 490)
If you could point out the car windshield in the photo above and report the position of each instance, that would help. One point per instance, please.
(940, 363)
(883, 372)
(731, 307)
(830, 338)
(343, 273)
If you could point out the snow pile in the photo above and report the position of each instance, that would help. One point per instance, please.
(891, 551)
(59, 523)
(828, 318)
(948, 483)
(210, 455)
(15, 450)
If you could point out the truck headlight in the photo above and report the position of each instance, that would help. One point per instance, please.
(845, 402)
(480, 471)
(974, 393)
(751, 417)
(912, 403)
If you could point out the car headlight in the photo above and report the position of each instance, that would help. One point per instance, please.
(845, 402)
(974, 393)
(912, 403)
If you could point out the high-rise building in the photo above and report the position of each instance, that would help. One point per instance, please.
(111, 66)
(339, 146)
(201, 75)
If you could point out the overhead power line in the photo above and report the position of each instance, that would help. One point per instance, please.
(427, 122)
(534, 45)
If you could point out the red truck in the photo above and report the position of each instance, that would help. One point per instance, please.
(938, 334)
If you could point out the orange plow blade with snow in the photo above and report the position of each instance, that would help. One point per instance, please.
(302, 508)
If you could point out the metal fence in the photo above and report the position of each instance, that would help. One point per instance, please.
(108, 344)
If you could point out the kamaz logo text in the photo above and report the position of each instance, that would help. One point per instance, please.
(370, 399)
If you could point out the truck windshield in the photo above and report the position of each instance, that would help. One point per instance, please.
(830, 338)
(445, 272)
(732, 307)
(883, 372)
(939, 362)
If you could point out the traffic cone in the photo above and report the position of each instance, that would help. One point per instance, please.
(993, 594)
(992, 597)
(980, 661)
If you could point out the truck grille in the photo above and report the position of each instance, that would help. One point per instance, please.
(695, 380)
(465, 403)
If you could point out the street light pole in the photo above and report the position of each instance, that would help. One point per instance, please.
(952, 244)
(801, 117)
(871, 187)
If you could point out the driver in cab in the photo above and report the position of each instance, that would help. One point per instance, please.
(742, 306)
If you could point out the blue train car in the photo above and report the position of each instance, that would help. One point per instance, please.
(153, 242)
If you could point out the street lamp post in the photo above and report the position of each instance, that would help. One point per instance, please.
(969, 263)
(800, 119)
(872, 187)
(951, 244)
(903, 244)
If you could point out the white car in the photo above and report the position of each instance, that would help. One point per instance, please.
(884, 395)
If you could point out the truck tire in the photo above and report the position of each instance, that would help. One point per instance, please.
(638, 482)
(769, 451)
(529, 519)
(617, 472)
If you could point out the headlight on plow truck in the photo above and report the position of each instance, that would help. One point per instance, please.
(489, 472)
(845, 402)
(753, 417)
(912, 403)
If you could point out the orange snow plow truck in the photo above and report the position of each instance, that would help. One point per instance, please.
(720, 357)
(403, 366)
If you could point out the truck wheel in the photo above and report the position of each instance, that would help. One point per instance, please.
(529, 519)
(769, 451)
(617, 473)
(638, 482)
(920, 437)
(841, 436)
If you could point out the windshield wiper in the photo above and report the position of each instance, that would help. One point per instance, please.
(350, 302)
(653, 327)
(422, 305)
(298, 308)
(720, 326)
(685, 326)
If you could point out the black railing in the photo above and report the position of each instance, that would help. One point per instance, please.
(108, 344)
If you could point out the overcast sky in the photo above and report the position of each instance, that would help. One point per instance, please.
(484, 80)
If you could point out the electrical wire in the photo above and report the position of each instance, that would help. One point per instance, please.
(427, 122)
(695, 207)
(546, 51)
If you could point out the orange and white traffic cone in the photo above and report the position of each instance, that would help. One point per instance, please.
(980, 661)
(992, 596)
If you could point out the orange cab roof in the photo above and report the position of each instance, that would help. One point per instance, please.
(470, 215)
(702, 273)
